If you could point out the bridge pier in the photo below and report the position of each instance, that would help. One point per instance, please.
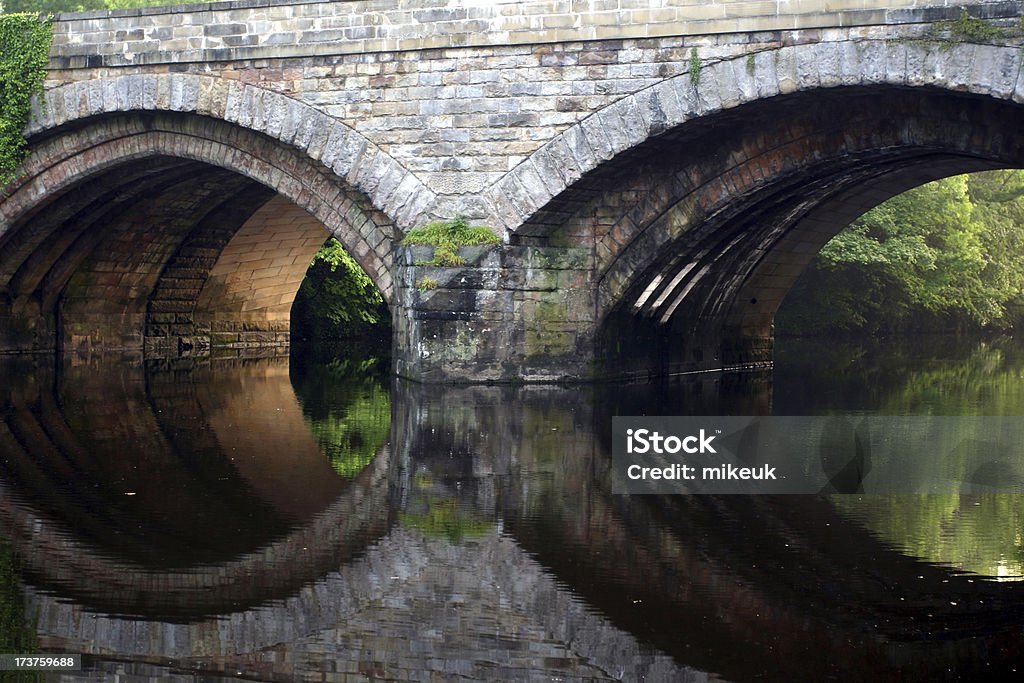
(518, 313)
(511, 313)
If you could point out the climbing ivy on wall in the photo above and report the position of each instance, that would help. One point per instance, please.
(24, 51)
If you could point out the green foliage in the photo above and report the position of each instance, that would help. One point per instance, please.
(53, 6)
(940, 375)
(337, 299)
(447, 520)
(923, 375)
(435, 512)
(968, 29)
(58, 6)
(694, 67)
(24, 50)
(946, 255)
(348, 410)
(425, 284)
(446, 237)
(979, 533)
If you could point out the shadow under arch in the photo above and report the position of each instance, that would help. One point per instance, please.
(728, 214)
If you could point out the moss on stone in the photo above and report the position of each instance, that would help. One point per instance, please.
(966, 29)
(425, 284)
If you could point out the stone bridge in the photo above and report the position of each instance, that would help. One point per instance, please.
(659, 172)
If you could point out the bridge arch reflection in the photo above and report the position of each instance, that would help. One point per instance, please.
(176, 496)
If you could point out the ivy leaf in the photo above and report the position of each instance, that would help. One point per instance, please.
(24, 51)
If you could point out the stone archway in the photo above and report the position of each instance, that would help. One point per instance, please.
(116, 227)
(701, 200)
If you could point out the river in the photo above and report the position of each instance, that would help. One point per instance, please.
(311, 519)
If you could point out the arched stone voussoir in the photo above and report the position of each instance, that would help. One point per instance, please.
(603, 137)
(56, 164)
(323, 138)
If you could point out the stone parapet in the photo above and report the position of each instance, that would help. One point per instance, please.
(252, 29)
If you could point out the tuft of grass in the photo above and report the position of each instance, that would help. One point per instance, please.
(446, 237)
(426, 284)
(694, 67)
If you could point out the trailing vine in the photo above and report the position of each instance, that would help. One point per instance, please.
(24, 51)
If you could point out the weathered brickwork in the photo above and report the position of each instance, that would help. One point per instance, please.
(656, 173)
(462, 102)
(167, 162)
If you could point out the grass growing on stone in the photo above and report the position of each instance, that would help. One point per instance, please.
(425, 284)
(967, 29)
(694, 67)
(446, 237)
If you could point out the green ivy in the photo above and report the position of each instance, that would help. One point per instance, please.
(24, 51)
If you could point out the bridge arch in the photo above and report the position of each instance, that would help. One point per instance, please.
(359, 162)
(703, 199)
(176, 210)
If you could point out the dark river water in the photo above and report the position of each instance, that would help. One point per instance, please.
(309, 519)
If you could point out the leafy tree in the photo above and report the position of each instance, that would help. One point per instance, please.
(998, 199)
(347, 406)
(337, 299)
(946, 255)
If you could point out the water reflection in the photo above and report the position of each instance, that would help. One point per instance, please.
(278, 521)
(982, 533)
(174, 492)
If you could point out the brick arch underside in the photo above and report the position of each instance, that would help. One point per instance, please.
(169, 232)
(698, 234)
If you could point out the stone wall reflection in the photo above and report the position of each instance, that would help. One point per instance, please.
(787, 580)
